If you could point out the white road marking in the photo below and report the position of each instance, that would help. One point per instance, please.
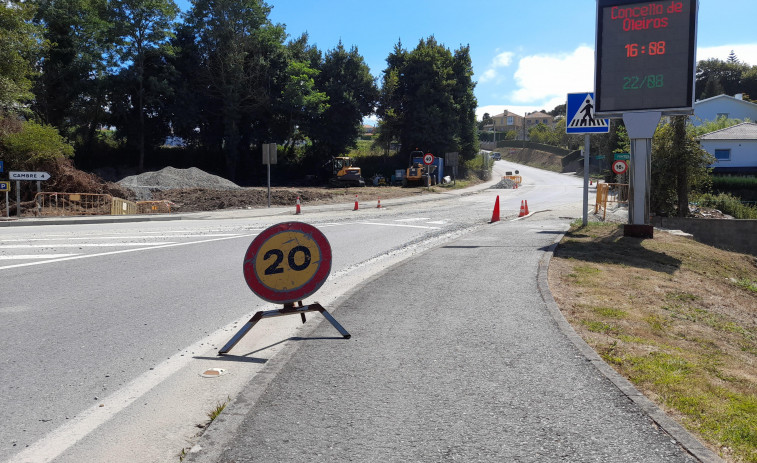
(115, 237)
(81, 245)
(36, 256)
(400, 225)
(123, 251)
(415, 219)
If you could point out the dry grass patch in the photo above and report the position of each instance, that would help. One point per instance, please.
(677, 318)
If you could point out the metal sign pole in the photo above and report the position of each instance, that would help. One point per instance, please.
(7, 206)
(267, 153)
(587, 147)
(18, 198)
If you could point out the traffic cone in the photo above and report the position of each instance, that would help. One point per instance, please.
(527, 207)
(522, 210)
(591, 182)
(516, 186)
(495, 213)
(379, 204)
(298, 210)
(356, 206)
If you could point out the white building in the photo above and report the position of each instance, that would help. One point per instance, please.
(726, 106)
(734, 148)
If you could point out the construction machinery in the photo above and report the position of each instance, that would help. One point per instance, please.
(419, 173)
(344, 173)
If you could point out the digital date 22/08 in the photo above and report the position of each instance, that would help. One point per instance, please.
(639, 82)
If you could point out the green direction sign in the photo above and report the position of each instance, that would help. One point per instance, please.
(622, 156)
(600, 157)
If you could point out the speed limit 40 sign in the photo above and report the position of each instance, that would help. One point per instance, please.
(287, 262)
(428, 159)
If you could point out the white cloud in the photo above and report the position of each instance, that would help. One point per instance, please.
(490, 74)
(503, 59)
(548, 77)
(746, 52)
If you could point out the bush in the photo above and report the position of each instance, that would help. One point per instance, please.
(480, 166)
(727, 204)
(33, 146)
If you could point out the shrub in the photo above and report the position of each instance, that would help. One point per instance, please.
(727, 204)
(34, 145)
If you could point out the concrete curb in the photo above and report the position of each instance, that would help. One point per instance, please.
(677, 432)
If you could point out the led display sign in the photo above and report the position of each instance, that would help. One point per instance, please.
(645, 56)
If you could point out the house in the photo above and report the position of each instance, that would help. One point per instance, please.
(538, 117)
(506, 122)
(734, 148)
(730, 107)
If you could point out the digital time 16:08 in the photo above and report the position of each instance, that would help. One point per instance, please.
(653, 48)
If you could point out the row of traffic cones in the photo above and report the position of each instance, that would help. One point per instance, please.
(298, 208)
(523, 210)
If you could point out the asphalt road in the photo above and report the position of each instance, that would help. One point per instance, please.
(107, 327)
(453, 357)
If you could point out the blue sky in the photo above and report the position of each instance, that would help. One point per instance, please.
(527, 55)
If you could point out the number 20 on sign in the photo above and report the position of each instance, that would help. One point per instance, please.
(287, 262)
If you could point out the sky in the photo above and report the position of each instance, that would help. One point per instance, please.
(527, 55)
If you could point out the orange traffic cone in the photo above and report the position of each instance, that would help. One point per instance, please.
(495, 213)
(527, 207)
(522, 210)
(591, 182)
(298, 210)
(356, 206)
(379, 203)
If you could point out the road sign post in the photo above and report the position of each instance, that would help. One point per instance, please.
(6, 186)
(581, 118)
(26, 176)
(285, 264)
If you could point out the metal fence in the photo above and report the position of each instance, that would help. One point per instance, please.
(610, 193)
(82, 204)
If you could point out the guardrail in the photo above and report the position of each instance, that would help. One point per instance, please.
(610, 193)
(78, 204)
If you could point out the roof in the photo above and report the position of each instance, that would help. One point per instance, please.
(538, 114)
(507, 113)
(724, 97)
(743, 131)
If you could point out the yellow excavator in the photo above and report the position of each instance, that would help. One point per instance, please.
(344, 173)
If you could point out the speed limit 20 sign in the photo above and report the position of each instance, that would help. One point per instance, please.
(287, 262)
(619, 167)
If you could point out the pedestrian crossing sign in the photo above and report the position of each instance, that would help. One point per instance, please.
(580, 115)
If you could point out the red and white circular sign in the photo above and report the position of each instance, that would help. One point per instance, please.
(620, 167)
(287, 262)
(428, 159)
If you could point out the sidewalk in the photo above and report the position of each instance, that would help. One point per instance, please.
(459, 354)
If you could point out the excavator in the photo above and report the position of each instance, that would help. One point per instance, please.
(344, 173)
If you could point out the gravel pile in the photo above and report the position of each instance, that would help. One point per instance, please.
(505, 184)
(171, 178)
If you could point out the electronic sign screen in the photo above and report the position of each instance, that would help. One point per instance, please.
(645, 56)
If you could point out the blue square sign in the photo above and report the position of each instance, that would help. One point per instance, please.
(2, 166)
(580, 115)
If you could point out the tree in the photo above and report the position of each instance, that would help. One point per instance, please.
(144, 26)
(71, 91)
(235, 66)
(679, 165)
(352, 94)
(716, 75)
(20, 46)
(427, 99)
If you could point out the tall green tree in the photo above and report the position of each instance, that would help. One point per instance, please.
(714, 75)
(351, 91)
(71, 92)
(237, 72)
(679, 165)
(143, 27)
(21, 45)
(430, 88)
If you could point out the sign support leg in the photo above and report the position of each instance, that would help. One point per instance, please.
(18, 198)
(289, 309)
(641, 128)
(587, 165)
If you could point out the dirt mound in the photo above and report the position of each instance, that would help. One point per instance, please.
(202, 199)
(146, 184)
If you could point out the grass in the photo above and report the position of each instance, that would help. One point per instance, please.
(676, 318)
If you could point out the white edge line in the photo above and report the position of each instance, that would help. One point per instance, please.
(123, 251)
